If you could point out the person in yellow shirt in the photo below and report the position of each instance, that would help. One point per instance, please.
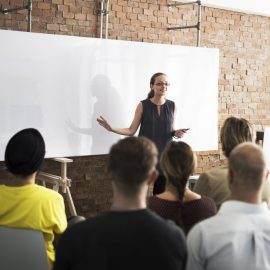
(24, 204)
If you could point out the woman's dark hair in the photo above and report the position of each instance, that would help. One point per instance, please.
(177, 163)
(152, 81)
(233, 132)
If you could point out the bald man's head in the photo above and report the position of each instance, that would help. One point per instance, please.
(247, 168)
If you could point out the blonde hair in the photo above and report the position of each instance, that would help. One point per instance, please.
(233, 132)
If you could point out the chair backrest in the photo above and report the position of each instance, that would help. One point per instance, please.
(22, 249)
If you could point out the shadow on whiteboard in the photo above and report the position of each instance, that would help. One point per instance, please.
(108, 104)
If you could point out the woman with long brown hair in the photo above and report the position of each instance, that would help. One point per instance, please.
(178, 202)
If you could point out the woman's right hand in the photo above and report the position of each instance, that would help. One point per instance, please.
(103, 122)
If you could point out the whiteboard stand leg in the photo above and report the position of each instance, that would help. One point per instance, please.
(60, 181)
(71, 206)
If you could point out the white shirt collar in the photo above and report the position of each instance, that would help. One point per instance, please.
(243, 207)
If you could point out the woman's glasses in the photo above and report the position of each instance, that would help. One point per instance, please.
(162, 84)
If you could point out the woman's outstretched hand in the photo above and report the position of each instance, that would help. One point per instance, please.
(179, 133)
(103, 122)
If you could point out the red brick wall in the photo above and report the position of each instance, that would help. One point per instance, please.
(244, 77)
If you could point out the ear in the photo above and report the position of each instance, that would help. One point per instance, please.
(266, 174)
(152, 177)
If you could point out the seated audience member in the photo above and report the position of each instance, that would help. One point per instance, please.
(178, 202)
(237, 238)
(214, 183)
(129, 236)
(23, 204)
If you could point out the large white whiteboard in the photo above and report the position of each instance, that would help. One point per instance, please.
(60, 84)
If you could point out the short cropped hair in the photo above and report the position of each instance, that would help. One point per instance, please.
(130, 162)
(248, 164)
(233, 132)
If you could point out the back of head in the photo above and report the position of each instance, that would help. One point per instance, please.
(233, 132)
(248, 166)
(178, 163)
(25, 152)
(131, 160)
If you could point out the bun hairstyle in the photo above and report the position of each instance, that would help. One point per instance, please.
(152, 82)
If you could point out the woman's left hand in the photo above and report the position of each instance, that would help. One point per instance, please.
(179, 133)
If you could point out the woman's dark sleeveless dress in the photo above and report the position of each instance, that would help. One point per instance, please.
(158, 128)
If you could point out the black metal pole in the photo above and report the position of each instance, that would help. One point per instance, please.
(182, 4)
(9, 10)
(199, 23)
(28, 7)
(29, 15)
(183, 27)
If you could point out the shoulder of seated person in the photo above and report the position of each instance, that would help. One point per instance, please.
(216, 171)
